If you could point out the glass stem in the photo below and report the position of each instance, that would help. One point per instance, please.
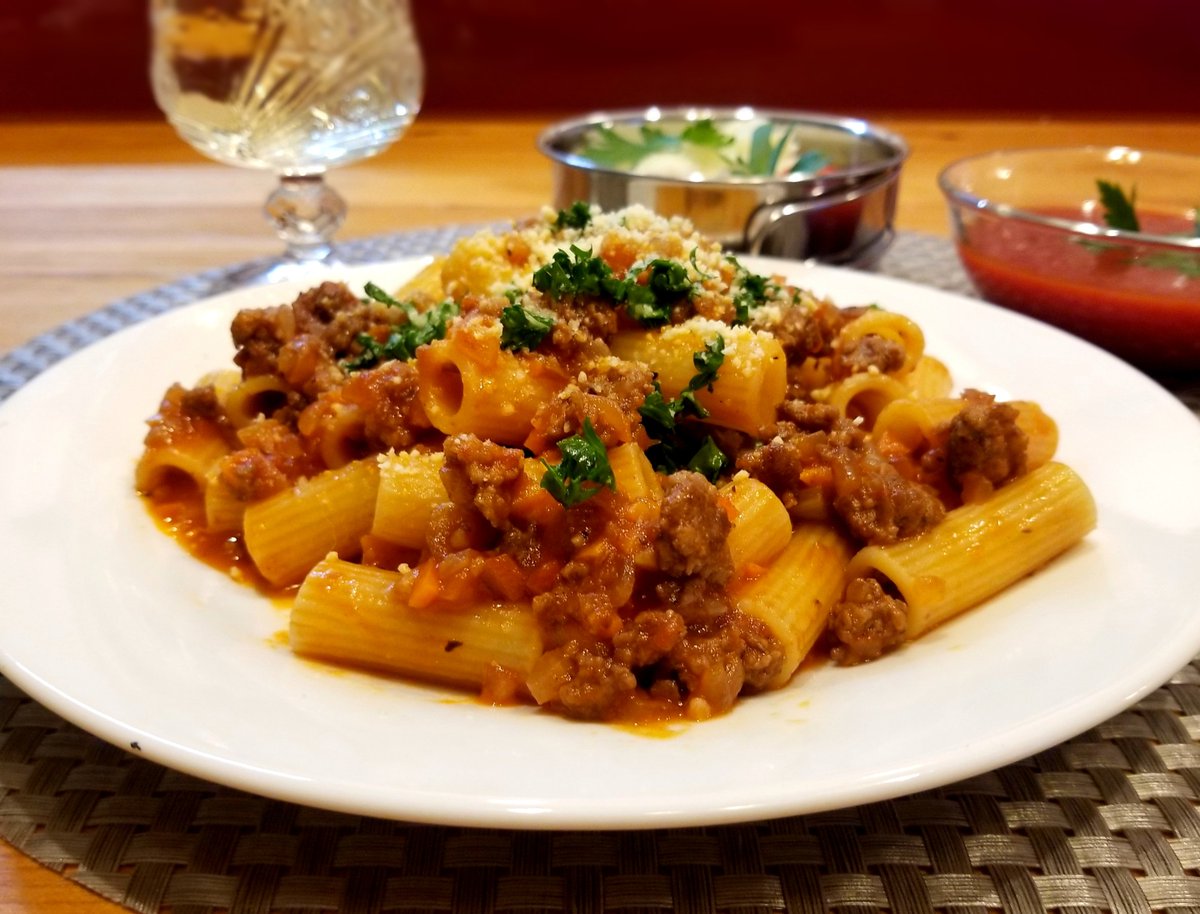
(306, 212)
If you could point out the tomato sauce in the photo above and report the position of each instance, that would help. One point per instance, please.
(1141, 302)
(177, 507)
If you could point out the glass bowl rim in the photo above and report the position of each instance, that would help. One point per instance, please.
(956, 195)
(897, 146)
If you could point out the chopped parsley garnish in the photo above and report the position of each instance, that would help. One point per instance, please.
(375, 292)
(583, 471)
(575, 273)
(660, 417)
(402, 342)
(708, 362)
(750, 291)
(666, 283)
(709, 460)
(705, 275)
(577, 216)
(1118, 208)
(523, 328)
(578, 273)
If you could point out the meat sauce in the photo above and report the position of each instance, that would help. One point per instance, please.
(1141, 302)
(178, 510)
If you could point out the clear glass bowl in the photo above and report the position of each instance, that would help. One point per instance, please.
(1031, 231)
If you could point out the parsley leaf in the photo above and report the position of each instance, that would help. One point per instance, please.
(659, 414)
(1187, 264)
(523, 328)
(577, 216)
(1118, 208)
(577, 272)
(750, 291)
(707, 362)
(583, 471)
(379, 295)
(709, 460)
(811, 160)
(666, 283)
(610, 148)
(660, 417)
(402, 342)
(705, 132)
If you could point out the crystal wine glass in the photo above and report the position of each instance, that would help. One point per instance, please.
(292, 86)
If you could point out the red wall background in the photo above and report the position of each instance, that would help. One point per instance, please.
(1060, 57)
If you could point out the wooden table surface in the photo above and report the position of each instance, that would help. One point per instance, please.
(95, 211)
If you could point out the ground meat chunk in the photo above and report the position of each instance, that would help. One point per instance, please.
(185, 413)
(303, 342)
(583, 680)
(650, 637)
(319, 308)
(708, 664)
(870, 351)
(578, 328)
(866, 622)
(838, 464)
(808, 416)
(805, 332)
(607, 395)
(201, 402)
(878, 504)
(272, 457)
(388, 397)
(258, 333)
(762, 654)
(696, 599)
(569, 611)
(694, 529)
(483, 474)
(984, 439)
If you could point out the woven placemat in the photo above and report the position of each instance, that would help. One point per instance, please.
(1108, 821)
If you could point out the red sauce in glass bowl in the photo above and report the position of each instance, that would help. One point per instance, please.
(1139, 301)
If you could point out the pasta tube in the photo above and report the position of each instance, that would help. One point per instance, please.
(891, 326)
(194, 456)
(359, 615)
(469, 384)
(751, 381)
(288, 533)
(255, 396)
(929, 378)
(761, 525)
(1019, 529)
(865, 395)
(410, 485)
(794, 595)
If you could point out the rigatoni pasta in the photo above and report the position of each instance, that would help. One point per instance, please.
(597, 464)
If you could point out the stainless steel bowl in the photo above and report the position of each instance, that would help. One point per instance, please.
(842, 215)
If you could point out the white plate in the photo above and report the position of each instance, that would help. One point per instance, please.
(108, 623)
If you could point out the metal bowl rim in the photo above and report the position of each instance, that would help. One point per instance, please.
(899, 150)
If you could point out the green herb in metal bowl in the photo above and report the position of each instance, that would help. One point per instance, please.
(703, 148)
